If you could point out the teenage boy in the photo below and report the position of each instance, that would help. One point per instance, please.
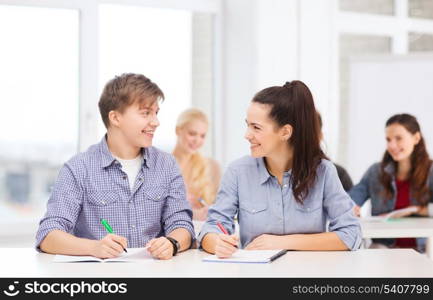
(136, 188)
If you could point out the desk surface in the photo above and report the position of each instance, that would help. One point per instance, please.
(397, 228)
(26, 262)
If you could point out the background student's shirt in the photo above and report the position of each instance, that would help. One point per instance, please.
(403, 201)
(92, 186)
(265, 207)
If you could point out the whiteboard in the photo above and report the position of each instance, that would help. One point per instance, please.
(379, 87)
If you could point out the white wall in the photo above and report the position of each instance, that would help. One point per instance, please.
(276, 39)
(268, 42)
(238, 74)
(260, 50)
(318, 58)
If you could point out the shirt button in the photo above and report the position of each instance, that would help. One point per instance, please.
(284, 186)
(159, 197)
(140, 178)
(253, 210)
(124, 177)
(103, 202)
(133, 226)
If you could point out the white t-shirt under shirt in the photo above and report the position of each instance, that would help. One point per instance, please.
(131, 167)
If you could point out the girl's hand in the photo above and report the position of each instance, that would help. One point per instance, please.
(226, 245)
(266, 242)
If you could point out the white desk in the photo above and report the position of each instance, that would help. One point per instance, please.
(26, 262)
(401, 228)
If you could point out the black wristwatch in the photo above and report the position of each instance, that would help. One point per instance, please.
(176, 245)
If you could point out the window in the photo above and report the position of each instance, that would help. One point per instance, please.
(420, 42)
(421, 9)
(50, 82)
(383, 7)
(39, 84)
(174, 48)
(156, 43)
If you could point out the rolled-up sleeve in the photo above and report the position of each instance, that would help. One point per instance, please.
(225, 207)
(64, 206)
(177, 211)
(339, 208)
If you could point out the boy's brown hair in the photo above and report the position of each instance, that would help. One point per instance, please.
(125, 90)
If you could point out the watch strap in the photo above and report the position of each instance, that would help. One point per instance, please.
(174, 243)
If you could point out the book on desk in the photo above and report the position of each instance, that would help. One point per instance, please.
(248, 256)
(133, 255)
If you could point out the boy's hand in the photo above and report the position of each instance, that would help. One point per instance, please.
(160, 248)
(226, 245)
(109, 247)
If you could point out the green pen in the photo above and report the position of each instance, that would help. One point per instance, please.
(109, 229)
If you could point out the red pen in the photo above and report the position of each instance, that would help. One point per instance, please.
(222, 228)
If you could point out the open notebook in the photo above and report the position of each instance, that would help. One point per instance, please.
(133, 255)
(393, 214)
(248, 256)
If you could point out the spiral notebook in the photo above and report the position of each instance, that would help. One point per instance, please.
(248, 256)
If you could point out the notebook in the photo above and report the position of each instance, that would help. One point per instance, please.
(393, 214)
(248, 256)
(133, 255)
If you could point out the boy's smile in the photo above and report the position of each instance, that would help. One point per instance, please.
(149, 133)
(135, 127)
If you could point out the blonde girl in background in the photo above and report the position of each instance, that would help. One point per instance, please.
(201, 174)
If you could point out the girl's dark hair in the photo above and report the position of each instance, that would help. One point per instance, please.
(293, 104)
(419, 159)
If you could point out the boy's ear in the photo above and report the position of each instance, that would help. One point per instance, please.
(113, 116)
